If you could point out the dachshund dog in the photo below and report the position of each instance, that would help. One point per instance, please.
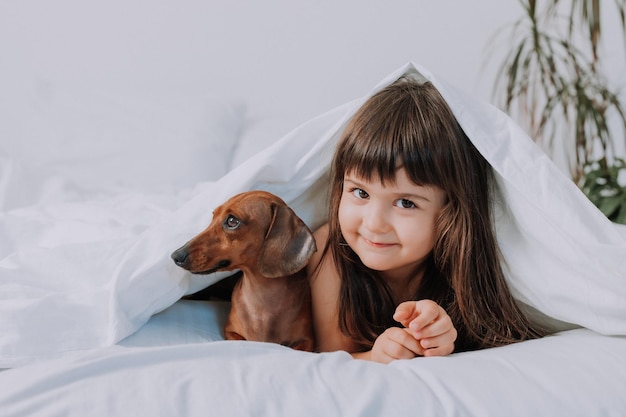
(257, 233)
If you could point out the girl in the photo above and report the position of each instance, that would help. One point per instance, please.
(410, 239)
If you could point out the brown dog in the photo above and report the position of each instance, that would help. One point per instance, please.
(257, 233)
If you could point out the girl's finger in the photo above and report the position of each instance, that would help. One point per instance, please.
(440, 326)
(439, 351)
(426, 317)
(409, 311)
(446, 339)
(405, 312)
(403, 345)
(409, 342)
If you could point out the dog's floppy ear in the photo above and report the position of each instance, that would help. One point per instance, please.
(288, 244)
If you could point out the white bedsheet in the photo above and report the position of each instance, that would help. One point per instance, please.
(166, 372)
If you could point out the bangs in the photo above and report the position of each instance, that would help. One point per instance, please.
(391, 135)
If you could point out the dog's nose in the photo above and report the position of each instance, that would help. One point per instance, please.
(180, 256)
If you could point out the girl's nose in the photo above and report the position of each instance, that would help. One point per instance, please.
(375, 218)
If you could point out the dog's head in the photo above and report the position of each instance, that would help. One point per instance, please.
(254, 231)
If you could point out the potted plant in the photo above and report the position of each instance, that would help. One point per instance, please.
(552, 82)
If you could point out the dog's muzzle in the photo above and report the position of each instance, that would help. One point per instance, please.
(180, 257)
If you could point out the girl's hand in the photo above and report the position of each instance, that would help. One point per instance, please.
(429, 324)
(395, 343)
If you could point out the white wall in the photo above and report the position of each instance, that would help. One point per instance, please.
(302, 57)
(283, 56)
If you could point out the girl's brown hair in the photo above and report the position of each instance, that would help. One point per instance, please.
(409, 124)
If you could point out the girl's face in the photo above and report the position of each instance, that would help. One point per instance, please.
(392, 227)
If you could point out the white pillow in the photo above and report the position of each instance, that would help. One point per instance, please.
(155, 141)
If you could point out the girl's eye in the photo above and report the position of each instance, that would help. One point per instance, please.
(404, 203)
(360, 194)
(232, 222)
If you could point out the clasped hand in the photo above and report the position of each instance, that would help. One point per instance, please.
(428, 331)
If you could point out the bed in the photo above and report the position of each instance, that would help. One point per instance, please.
(92, 315)
(93, 321)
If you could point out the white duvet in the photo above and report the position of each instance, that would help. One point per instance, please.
(84, 264)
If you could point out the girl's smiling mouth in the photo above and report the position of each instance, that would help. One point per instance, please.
(377, 244)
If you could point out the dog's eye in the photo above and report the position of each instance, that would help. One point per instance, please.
(232, 222)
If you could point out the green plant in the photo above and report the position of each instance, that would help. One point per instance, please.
(603, 187)
(552, 81)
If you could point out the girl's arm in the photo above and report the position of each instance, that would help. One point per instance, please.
(325, 284)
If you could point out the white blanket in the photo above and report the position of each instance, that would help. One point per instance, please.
(83, 268)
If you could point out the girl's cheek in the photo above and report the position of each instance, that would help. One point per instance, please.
(341, 216)
(346, 215)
